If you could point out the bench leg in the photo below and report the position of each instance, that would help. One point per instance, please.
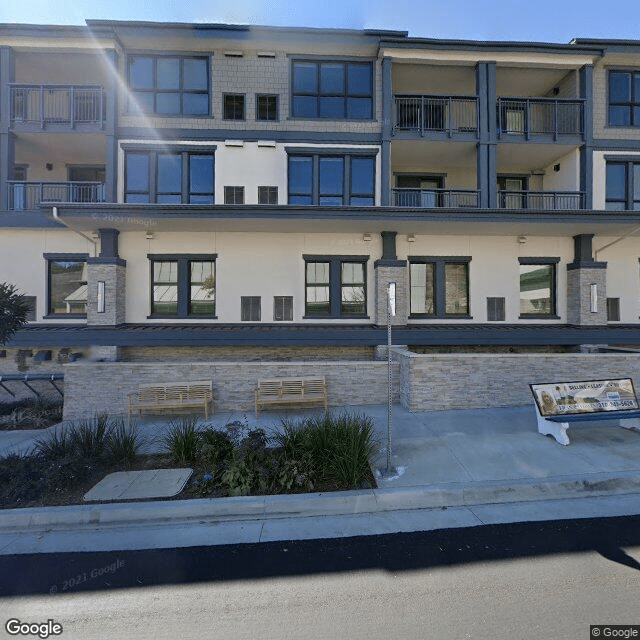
(556, 429)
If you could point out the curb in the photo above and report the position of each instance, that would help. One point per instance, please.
(121, 514)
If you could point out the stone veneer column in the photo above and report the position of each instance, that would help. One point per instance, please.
(582, 273)
(110, 269)
(390, 269)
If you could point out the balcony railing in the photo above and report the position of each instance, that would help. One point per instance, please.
(436, 198)
(540, 116)
(543, 200)
(28, 195)
(446, 114)
(66, 105)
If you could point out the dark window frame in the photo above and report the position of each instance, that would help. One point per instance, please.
(336, 285)
(283, 306)
(347, 156)
(183, 283)
(185, 154)
(60, 257)
(628, 201)
(266, 194)
(276, 109)
(632, 105)
(229, 112)
(439, 290)
(542, 261)
(235, 190)
(343, 94)
(180, 90)
(248, 307)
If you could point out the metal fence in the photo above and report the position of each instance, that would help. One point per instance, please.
(435, 198)
(449, 114)
(543, 200)
(57, 104)
(540, 116)
(28, 195)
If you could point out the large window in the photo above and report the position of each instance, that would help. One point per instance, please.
(168, 85)
(439, 286)
(624, 98)
(335, 90)
(336, 286)
(66, 284)
(171, 177)
(623, 186)
(183, 286)
(332, 180)
(538, 287)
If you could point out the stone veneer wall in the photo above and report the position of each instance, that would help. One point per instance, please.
(433, 382)
(103, 386)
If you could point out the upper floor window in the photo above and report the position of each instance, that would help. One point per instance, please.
(266, 107)
(623, 186)
(332, 179)
(171, 86)
(233, 106)
(335, 90)
(624, 98)
(168, 177)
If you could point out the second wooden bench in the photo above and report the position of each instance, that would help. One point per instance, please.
(287, 391)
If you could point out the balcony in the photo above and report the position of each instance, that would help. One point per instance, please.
(57, 107)
(541, 200)
(29, 195)
(436, 198)
(532, 117)
(450, 115)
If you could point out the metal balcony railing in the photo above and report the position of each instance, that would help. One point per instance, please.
(28, 195)
(436, 198)
(543, 200)
(67, 105)
(447, 114)
(540, 116)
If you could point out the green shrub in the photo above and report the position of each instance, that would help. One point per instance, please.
(55, 445)
(183, 440)
(32, 413)
(244, 475)
(123, 442)
(216, 447)
(89, 437)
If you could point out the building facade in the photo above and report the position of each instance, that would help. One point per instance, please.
(223, 191)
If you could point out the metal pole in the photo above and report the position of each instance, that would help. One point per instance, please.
(391, 311)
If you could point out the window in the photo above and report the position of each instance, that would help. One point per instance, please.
(31, 303)
(234, 195)
(335, 90)
(282, 308)
(624, 98)
(233, 106)
(266, 107)
(335, 286)
(250, 308)
(169, 85)
(613, 309)
(623, 186)
(267, 195)
(495, 309)
(512, 192)
(420, 191)
(439, 286)
(183, 286)
(538, 287)
(66, 285)
(332, 180)
(154, 176)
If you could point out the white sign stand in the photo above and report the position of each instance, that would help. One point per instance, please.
(391, 311)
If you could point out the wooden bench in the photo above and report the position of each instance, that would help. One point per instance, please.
(172, 396)
(302, 391)
(560, 403)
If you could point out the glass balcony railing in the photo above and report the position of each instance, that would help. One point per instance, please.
(29, 195)
(62, 105)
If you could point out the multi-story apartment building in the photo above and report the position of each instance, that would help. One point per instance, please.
(175, 188)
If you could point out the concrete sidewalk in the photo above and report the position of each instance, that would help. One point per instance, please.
(455, 469)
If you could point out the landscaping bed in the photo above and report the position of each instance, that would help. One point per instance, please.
(328, 453)
(30, 414)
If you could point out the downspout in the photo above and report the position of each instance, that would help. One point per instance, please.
(606, 246)
(86, 237)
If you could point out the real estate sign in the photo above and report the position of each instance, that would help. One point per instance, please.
(590, 396)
